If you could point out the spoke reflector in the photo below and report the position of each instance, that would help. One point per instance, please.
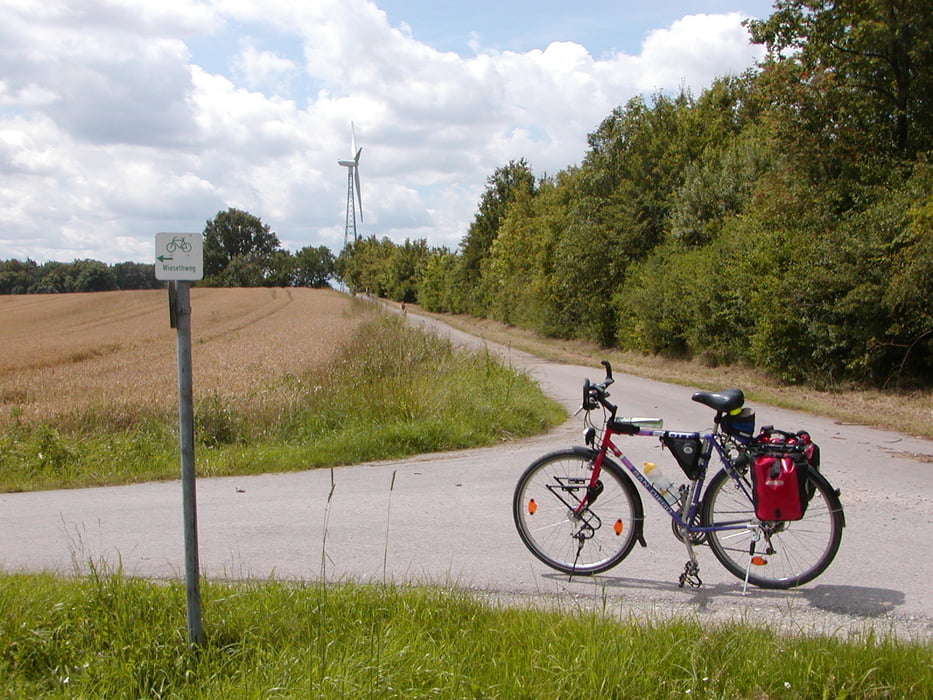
(532, 507)
(759, 561)
(617, 526)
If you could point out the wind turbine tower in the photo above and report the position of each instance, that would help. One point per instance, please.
(353, 185)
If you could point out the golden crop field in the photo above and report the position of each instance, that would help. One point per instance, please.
(62, 353)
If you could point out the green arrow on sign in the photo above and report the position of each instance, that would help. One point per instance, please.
(162, 258)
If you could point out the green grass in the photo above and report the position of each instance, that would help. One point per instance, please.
(393, 392)
(111, 636)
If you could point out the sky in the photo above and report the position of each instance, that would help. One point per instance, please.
(120, 119)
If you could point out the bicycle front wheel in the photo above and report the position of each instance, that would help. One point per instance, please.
(787, 553)
(567, 524)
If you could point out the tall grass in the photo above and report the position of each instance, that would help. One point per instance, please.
(111, 636)
(392, 391)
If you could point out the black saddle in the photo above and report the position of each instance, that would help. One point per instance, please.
(724, 401)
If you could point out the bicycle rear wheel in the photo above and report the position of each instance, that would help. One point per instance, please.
(547, 498)
(788, 553)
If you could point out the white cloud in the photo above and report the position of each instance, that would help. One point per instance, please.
(112, 129)
(692, 49)
(265, 69)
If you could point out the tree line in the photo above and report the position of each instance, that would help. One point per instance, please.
(783, 218)
(29, 277)
(239, 251)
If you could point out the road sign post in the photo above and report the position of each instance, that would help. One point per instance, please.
(186, 448)
(180, 260)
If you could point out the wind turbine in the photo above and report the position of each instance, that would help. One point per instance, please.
(353, 184)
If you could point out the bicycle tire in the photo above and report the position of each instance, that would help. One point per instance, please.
(790, 553)
(585, 544)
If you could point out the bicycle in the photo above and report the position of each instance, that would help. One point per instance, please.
(578, 511)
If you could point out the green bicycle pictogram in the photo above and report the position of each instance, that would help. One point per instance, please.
(178, 243)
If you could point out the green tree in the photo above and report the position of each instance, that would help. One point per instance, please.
(55, 278)
(502, 187)
(314, 267)
(242, 271)
(240, 241)
(636, 161)
(908, 294)
(133, 275)
(280, 270)
(438, 282)
(517, 271)
(363, 265)
(403, 270)
(589, 263)
(717, 187)
(18, 277)
(868, 60)
(93, 276)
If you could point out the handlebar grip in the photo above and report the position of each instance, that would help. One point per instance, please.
(605, 363)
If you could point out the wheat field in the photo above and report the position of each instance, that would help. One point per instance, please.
(65, 353)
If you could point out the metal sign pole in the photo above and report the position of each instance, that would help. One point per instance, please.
(186, 444)
(179, 260)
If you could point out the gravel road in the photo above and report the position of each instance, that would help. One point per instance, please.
(445, 519)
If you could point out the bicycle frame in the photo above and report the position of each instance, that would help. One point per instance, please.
(693, 501)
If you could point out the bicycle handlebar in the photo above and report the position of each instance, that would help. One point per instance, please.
(609, 379)
(596, 394)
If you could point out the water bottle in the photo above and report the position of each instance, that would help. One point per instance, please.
(667, 488)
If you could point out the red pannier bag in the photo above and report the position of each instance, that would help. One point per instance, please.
(779, 487)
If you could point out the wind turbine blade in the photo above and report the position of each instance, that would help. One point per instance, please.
(352, 139)
(357, 158)
(359, 197)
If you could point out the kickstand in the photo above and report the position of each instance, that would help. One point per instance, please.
(751, 558)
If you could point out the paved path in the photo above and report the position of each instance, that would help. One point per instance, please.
(446, 519)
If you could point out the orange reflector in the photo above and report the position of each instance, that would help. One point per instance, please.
(532, 507)
(759, 561)
(617, 527)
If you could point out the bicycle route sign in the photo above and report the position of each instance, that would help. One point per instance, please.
(179, 256)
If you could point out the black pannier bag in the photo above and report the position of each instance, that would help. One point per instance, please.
(686, 451)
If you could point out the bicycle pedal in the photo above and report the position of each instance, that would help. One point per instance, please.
(693, 581)
(691, 576)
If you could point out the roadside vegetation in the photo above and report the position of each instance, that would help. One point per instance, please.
(910, 412)
(84, 638)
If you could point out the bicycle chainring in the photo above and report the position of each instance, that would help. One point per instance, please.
(696, 538)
